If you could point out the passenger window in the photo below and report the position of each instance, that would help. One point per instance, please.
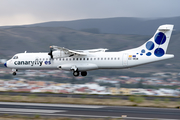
(87, 58)
(83, 58)
(91, 58)
(80, 58)
(73, 58)
(104, 58)
(98, 58)
(70, 59)
(76, 58)
(114, 58)
(94, 58)
(101, 58)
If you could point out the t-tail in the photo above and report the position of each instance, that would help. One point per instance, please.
(153, 50)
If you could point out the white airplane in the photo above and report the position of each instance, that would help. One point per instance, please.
(93, 59)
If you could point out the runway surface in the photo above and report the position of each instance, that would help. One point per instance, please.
(93, 111)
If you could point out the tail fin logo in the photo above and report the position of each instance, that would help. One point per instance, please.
(159, 52)
(159, 39)
(150, 45)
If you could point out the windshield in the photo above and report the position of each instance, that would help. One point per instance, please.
(15, 57)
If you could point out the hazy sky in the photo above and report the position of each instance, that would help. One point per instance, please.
(18, 12)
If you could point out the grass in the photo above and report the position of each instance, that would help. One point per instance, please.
(133, 101)
(157, 101)
(166, 100)
(136, 99)
(32, 96)
(38, 117)
(23, 117)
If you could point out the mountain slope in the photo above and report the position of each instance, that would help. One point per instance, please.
(122, 25)
(32, 39)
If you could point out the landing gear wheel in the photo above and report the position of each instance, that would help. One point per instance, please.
(76, 73)
(14, 73)
(84, 73)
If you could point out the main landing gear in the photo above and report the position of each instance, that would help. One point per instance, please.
(84, 73)
(76, 73)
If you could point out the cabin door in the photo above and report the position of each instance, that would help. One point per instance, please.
(125, 60)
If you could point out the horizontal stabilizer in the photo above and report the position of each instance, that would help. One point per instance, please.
(164, 28)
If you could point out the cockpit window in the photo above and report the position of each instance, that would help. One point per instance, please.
(15, 57)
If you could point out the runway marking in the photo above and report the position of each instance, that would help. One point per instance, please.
(54, 105)
(30, 110)
(92, 116)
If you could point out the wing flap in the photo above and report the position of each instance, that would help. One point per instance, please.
(67, 51)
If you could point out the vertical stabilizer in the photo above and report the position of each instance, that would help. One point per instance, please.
(158, 44)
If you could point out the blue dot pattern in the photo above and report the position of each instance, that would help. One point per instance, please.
(150, 45)
(159, 52)
(143, 51)
(160, 38)
(148, 54)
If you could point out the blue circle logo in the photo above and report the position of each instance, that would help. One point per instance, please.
(159, 52)
(150, 45)
(143, 51)
(148, 54)
(160, 38)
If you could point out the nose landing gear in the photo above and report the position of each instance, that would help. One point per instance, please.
(14, 71)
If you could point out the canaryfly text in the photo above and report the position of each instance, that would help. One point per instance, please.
(31, 63)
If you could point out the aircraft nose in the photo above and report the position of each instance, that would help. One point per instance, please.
(5, 64)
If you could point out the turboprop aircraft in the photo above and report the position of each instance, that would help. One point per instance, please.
(81, 61)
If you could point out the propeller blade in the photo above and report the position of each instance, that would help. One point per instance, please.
(50, 53)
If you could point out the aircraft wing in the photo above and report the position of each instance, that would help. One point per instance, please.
(67, 51)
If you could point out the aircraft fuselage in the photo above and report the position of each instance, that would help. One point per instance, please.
(93, 61)
(85, 60)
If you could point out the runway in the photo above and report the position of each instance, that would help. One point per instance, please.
(92, 111)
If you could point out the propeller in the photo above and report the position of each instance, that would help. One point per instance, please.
(50, 53)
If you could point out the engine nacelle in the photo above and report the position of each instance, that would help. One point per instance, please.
(59, 54)
(79, 67)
